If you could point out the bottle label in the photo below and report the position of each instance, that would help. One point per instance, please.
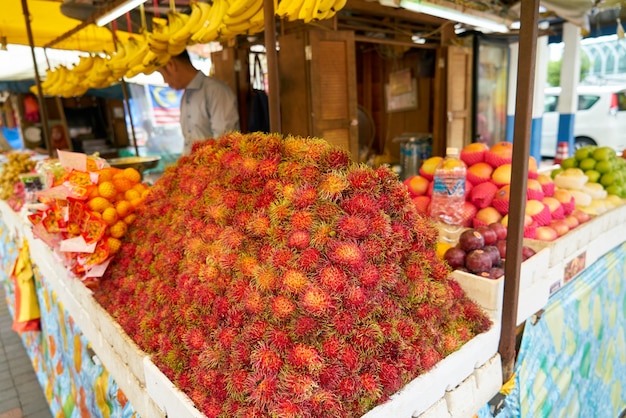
(449, 186)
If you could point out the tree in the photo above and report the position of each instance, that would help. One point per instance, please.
(554, 69)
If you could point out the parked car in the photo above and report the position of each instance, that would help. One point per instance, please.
(599, 120)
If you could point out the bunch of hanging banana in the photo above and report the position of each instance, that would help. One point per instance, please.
(309, 10)
(242, 17)
(208, 29)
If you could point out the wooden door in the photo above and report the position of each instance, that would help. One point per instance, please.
(333, 84)
(318, 87)
(453, 123)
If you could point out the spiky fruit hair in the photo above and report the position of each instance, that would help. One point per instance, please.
(270, 276)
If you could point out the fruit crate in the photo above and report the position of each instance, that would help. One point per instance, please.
(534, 288)
(581, 247)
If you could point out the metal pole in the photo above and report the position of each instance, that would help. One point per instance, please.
(521, 147)
(272, 65)
(130, 115)
(43, 109)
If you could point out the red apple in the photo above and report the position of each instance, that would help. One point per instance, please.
(546, 233)
(482, 194)
(469, 212)
(422, 204)
(417, 185)
(560, 226)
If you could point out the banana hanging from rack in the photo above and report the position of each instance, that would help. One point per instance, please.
(160, 30)
(291, 10)
(338, 5)
(205, 9)
(85, 62)
(239, 7)
(323, 9)
(237, 19)
(184, 33)
(308, 10)
(216, 15)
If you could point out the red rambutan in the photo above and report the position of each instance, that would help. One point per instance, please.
(262, 389)
(305, 357)
(348, 387)
(304, 196)
(282, 307)
(266, 360)
(363, 178)
(331, 347)
(254, 302)
(305, 326)
(333, 277)
(355, 297)
(316, 301)
(265, 278)
(344, 323)
(352, 226)
(194, 338)
(299, 386)
(369, 276)
(294, 281)
(350, 359)
(299, 239)
(302, 219)
(334, 158)
(332, 185)
(327, 211)
(346, 253)
(309, 259)
(258, 224)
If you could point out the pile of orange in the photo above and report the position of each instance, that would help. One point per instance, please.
(114, 198)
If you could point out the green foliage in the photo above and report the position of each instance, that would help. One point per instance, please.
(554, 70)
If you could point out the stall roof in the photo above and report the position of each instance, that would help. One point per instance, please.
(48, 24)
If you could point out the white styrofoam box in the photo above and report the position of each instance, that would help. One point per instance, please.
(488, 380)
(460, 400)
(438, 410)
(171, 401)
(117, 338)
(605, 243)
(424, 391)
(532, 299)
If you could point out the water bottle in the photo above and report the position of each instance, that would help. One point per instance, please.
(446, 206)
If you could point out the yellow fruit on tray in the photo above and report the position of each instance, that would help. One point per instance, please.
(110, 216)
(107, 189)
(132, 174)
(123, 208)
(114, 245)
(131, 194)
(118, 229)
(122, 184)
(98, 204)
(130, 218)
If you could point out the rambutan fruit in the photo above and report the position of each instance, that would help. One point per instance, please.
(343, 323)
(334, 158)
(194, 338)
(294, 281)
(333, 278)
(331, 347)
(236, 384)
(265, 278)
(309, 259)
(352, 226)
(281, 258)
(304, 196)
(363, 178)
(285, 408)
(300, 386)
(389, 377)
(282, 307)
(278, 339)
(349, 358)
(346, 253)
(332, 185)
(310, 174)
(302, 220)
(348, 387)
(305, 326)
(266, 360)
(359, 204)
(262, 389)
(316, 301)
(370, 384)
(254, 303)
(355, 297)
(429, 357)
(299, 239)
(330, 375)
(305, 357)
(369, 276)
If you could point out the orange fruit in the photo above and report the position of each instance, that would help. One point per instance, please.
(123, 208)
(136, 202)
(114, 245)
(98, 204)
(93, 192)
(145, 193)
(132, 194)
(105, 174)
(118, 229)
(122, 184)
(130, 218)
(132, 174)
(140, 187)
(110, 216)
(107, 189)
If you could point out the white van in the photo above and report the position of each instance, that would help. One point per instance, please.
(600, 118)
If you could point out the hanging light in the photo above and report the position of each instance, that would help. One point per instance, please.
(117, 11)
(454, 15)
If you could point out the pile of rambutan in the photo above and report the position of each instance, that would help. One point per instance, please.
(270, 276)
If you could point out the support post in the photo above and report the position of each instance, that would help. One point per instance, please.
(521, 146)
(272, 65)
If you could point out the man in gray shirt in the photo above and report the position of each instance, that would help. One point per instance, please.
(208, 107)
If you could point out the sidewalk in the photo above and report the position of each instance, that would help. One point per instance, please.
(21, 395)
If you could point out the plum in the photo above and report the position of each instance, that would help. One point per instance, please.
(478, 261)
(470, 240)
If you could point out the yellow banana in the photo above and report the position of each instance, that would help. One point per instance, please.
(239, 7)
(293, 9)
(160, 30)
(205, 9)
(339, 4)
(308, 10)
(323, 8)
(236, 20)
(176, 21)
(209, 33)
(84, 64)
(182, 34)
(51, 77)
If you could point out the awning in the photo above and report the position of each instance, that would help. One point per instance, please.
(48, 24)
